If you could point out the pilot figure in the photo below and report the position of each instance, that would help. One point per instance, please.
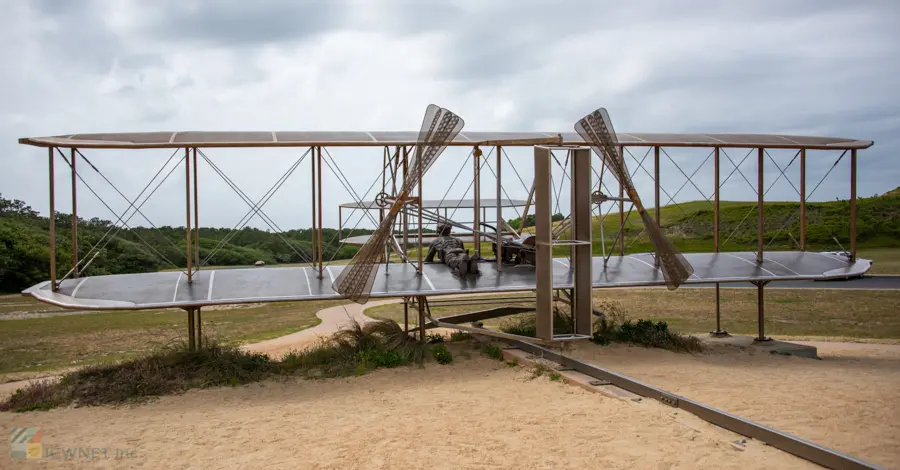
(451, 251)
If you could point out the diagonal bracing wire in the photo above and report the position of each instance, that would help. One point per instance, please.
(119, 218)
(353, 194)
(797, 211)
(256, 208)
(114, 226)
(766, 191)
(131, 204)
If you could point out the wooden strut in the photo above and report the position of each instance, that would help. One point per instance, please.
(314, 232)
(319, 233)
(52, 219)
(187, 202)
(196, 216)
(74, 218)
(718, 332)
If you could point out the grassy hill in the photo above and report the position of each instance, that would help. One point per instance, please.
(690, 225)
(24, 237)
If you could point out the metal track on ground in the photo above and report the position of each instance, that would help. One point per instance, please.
(792, 444)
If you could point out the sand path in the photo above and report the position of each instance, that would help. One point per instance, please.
(846, 401)
(474, 413)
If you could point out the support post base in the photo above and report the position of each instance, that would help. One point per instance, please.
(762, 340)
(719, 334)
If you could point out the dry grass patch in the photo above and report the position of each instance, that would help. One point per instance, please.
(52, 343)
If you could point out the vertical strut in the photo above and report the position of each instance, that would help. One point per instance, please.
(314, 232)
(761, 311)
(759, 206)
(53, 285)
(853, 205)
(419, 170)
(620, 238)
(718, 332)
(196, 218)
(74, 218)
(477, 206)
(340, 223)
(499, 213)
(187, 202)
(802, 199)
(319, 208)
(656, 191)
(405, 215)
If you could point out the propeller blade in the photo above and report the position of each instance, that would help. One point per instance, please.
(439, 128)
(597, 131)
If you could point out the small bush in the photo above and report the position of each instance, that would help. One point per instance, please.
(645, 333)
(512, 363)
(441, 354)
(460, 335)
(492, 351)
(434, 338)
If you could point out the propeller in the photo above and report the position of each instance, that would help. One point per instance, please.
(439, 128)
(597, 131)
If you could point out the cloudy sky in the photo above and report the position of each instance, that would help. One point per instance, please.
(811, 67)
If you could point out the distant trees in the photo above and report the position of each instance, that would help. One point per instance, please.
(25, 246)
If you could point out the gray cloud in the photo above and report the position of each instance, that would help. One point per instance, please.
(236, 23)
(806, 67)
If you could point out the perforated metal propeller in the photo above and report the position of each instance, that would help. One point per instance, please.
(597, 131)
(439, 128)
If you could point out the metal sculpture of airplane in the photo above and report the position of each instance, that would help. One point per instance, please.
(368, 274)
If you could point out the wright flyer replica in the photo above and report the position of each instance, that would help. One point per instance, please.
(556, 260)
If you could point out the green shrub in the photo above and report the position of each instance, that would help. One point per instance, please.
(492, 351)
(441, 354)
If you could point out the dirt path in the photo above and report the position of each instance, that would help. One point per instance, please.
(333, 319)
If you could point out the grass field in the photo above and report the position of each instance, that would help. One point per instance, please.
(884, 260)
(830, 313)
(55, 342)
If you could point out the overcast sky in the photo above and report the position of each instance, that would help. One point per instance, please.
(800, 67)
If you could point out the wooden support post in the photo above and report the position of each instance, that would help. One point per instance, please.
(319, 209)
(476, 182)
(384, 159)
(499, 212)
(199, 328)
(196, 216)
(543, 248)
(718, 332)
(191, 332)
(853, 205)
(621, 239)
(582, 261)
(760, 221)
(802, 199)
(74, 216)
(656, 208)
(405, 215)
(761, 312)
(421, 199)
(406, 315)
(314, 232)
(52, 219)
(421, 303)
(187, 212)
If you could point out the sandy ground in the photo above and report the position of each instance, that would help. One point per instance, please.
(847, 401)
(478, 413)
(475, 413)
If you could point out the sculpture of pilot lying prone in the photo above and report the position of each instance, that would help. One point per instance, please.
(451, 251)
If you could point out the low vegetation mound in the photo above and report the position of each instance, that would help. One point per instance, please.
(612, 327)
(355, 350)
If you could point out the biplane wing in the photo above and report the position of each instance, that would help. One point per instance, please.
(274, 284)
